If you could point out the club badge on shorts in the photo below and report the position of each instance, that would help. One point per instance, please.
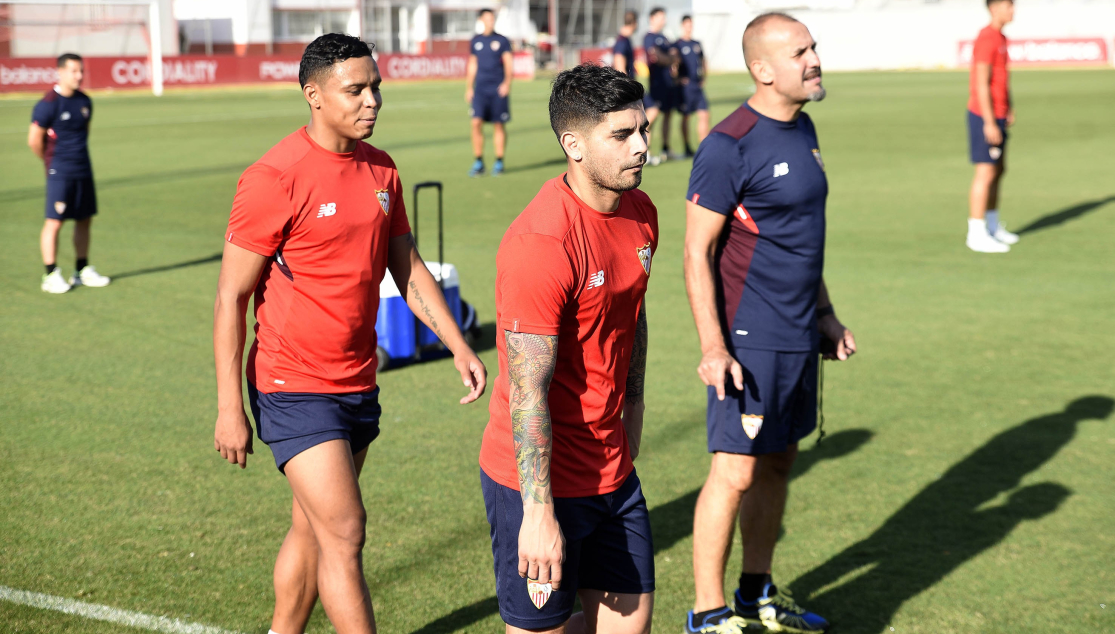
(995, 152)
(384, 199)
(817, 156)
(539, 592)
(60, 207)
(751, 425)
(644, 256)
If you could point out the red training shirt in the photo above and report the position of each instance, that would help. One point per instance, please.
(566, 269)
(991, 48)
(324, 219)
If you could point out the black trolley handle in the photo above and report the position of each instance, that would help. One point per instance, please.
(414, 226)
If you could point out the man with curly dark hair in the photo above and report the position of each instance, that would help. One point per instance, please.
(314, 226)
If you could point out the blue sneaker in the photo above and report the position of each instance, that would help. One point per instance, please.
(477, 169)
(497, 169)
(723, 621)
(779, 612)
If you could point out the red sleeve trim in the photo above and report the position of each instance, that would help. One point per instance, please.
(250, 246)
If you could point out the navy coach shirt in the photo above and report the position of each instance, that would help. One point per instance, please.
(66, 120)
(623, 47)
(489, 50)
(692, 60)
(768, 176)
(659, 75)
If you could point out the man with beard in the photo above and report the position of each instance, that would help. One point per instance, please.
(566, 509)
(754, 251)
(314, 226)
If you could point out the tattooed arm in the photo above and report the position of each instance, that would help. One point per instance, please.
(633, 397)
(426, 300)
(530, 366)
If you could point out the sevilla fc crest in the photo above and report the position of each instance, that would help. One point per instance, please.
(751, 425)
(384, 199)
(539, 593)
(644, 256)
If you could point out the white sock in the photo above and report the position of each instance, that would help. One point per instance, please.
(992, 217)
(977, 226)
(272, 632)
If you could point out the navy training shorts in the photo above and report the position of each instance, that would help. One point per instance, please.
(70, 199)
(777, 408)
(608, 547)
(488, 106)
(660, 95)
(292, 422)
(981, 151)
(691, 98)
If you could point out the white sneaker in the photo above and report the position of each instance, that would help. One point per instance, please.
(1004, 236)
(983, 243)
(89, 276)
(54, 283)
(653, 160)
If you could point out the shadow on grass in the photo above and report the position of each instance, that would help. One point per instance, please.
(670, 523)
(950, 522)
(153, 178)
(1061, 217)
(536, 165)
(216, 257)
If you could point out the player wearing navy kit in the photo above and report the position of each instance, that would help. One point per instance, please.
(691, 84)
(59, 136)
(661, 66)
(490, 65)
(754, 252)
(623, 53)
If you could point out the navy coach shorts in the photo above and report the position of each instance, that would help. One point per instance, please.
(777, 408)
(981, 151)
(292, 422)
(691, 99)
(73, 199)
(659, 96)
(488, 106)
(608, 547)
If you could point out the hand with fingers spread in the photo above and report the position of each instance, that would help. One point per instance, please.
(233, 437)
(716, 364)
(473, 374)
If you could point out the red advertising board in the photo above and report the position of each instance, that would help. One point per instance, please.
(36, 74)
(1054, 51)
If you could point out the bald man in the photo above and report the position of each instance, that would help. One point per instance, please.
(754, 251)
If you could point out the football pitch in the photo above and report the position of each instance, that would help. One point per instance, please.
(966, 484)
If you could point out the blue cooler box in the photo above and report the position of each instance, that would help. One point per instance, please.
(395, 323)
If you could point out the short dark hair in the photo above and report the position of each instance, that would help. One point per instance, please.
(65, 57)
(686, 18)
(655, 11)
(583, 95)
(329, 49)
(630, 18)
(483, 11)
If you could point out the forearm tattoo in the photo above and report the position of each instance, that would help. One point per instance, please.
(425, 310)
(637, 370)
(530, 366)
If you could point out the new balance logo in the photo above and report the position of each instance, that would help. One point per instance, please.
(595, 281)
(328, 209)
(781, 169)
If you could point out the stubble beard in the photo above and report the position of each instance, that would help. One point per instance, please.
(611, 181)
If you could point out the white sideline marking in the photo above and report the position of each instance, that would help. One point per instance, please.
(106, 613)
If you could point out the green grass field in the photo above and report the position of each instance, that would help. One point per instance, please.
(963, 487)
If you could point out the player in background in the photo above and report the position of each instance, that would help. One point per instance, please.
(990, 112)
(754, 252)
(692, 69)
(488, 92)
(623, 53)
(315, 224)
(662, 66)
(59, 136)
(566, 509)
